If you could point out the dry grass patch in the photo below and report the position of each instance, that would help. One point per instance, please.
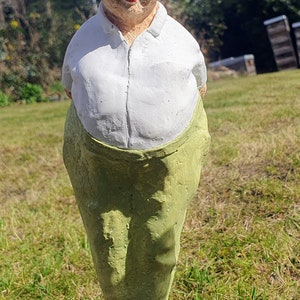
(241, 238)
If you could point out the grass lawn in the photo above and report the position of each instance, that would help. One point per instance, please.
(241, 239)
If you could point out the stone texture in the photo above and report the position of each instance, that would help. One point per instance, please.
(133, 205)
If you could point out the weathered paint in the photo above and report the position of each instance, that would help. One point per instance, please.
(137, 97)
(133, 205)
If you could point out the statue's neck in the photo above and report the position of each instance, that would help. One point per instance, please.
(131, 25)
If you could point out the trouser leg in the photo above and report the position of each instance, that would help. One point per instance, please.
(133, 213)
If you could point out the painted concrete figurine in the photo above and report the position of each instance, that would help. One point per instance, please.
(135, 139)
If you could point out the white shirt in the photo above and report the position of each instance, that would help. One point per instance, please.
(140, 96)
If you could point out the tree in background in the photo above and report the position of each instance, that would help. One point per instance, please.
(34, 34)
(33, 38)
(246, 32)
(228, 28)
(205, 18)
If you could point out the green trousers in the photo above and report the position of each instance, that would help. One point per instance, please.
(133, 205)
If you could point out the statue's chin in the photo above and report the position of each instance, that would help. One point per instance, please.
(128, 11)
(121, 8)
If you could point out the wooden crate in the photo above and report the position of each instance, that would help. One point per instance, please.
(296, 29)
(280, 38)
(244, 64)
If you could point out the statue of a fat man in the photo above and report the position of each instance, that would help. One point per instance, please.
(135, 139)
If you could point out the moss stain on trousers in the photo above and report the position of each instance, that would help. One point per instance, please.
(133, 205)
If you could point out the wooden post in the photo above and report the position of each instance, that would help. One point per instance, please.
(279, 34)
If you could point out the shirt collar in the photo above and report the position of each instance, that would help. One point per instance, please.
(154, 28)
(107, 26)
(158, 21)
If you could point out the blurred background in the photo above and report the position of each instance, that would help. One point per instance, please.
(34, 36)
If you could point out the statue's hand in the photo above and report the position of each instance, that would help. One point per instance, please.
(68, 93)
(203, 91)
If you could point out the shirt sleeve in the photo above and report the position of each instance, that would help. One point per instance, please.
(200, 71)
(66, 73)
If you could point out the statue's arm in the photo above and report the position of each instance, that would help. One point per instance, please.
(68, 93)
(200, 73)
(203, 90)
(66, 77)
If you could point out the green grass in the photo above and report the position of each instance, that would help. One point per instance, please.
(241, 239)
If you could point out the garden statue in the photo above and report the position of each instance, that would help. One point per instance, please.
(135, 139)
